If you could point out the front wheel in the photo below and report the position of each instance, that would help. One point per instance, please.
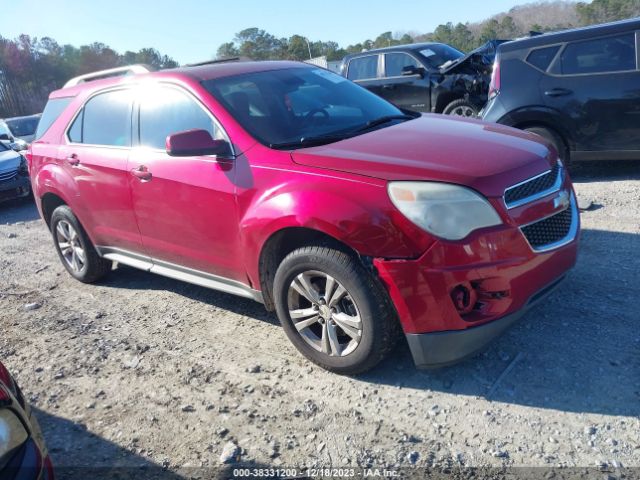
(333, 310)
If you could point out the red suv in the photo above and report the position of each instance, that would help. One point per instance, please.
(291, 185)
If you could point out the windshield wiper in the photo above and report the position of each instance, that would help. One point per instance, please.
(382, 120)
(310, 141)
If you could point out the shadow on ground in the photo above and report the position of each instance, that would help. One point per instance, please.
(78, 454)
(19, 210)
(609, 171)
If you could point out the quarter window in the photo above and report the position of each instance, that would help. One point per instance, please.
(104, 120)
(363, 68)
(542, 57)
(165, 111)
(611, 54)
(395, 62)
(52, 111)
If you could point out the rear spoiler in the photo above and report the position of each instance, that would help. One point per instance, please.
(111, 72)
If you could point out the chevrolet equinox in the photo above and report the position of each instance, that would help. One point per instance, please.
(293, 186)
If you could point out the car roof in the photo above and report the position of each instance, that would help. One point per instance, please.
(198, 73)
(572, 35)
(401, 48)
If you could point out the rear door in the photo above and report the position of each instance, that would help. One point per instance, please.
(95, 155)
(412, 91)
(595, 83)
(186, 207)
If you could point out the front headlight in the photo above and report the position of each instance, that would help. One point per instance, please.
(448, 211)
(12, 435)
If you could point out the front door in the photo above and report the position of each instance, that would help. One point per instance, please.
(410, 91)
(595, 83)
(185, 206)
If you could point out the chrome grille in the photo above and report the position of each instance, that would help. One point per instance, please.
(7, 176)
(534, 188)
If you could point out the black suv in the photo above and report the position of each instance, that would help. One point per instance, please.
(580, 89)
(424, 77)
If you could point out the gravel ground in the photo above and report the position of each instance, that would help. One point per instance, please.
(140, 370)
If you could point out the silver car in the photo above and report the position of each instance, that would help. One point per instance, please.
(14, 174)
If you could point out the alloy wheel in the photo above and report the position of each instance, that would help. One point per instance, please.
(324, 313)
(70, 246)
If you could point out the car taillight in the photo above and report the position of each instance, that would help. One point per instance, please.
(494, 85)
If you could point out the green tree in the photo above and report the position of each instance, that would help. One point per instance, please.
(599, 11)
(508, 28)
(489, 31)
(227, 50)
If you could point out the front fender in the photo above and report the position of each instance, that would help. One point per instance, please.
(357, 214)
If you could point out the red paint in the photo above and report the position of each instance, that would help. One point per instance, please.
(216, 215)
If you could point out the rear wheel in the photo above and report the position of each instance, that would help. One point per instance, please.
(333, 310)
(461, 108)
(554, 139)
(77, 253)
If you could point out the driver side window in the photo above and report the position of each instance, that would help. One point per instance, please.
(165, 111)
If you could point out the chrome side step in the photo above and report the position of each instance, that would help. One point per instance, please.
(178, 272)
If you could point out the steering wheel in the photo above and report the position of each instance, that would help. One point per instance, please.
(310, 115)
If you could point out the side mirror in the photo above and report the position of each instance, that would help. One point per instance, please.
(193, 143)
(5, 137)
(410, 70)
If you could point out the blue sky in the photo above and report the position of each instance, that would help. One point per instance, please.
(192, 30)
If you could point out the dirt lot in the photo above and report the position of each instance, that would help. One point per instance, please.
(143, 370)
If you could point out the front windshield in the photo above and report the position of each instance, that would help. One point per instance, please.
(437, 54)
(22, 127)
(279, 107)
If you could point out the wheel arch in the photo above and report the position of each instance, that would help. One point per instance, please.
(543, 117)
(284, 241)
(49, 201)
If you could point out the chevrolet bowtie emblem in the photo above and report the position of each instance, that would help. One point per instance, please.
(562, 200)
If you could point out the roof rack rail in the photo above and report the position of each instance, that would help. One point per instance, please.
(210, 62)
(111, 72)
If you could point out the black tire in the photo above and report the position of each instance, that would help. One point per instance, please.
(379, 325)
(461, 108)
(554, 139)
(94, 266)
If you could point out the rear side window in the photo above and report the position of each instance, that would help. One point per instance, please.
(395, 62)
(104, 120)
(51, 112)
(611, 54)
(363, 68)
(541, 57)
(164, 111)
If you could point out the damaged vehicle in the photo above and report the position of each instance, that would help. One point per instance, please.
(426, 77)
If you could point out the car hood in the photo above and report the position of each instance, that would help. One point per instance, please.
(9, 160)
(483, 156)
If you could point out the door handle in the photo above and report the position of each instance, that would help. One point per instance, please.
(142, 173)
(73, 160)
(388, 87)
(558, 92)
